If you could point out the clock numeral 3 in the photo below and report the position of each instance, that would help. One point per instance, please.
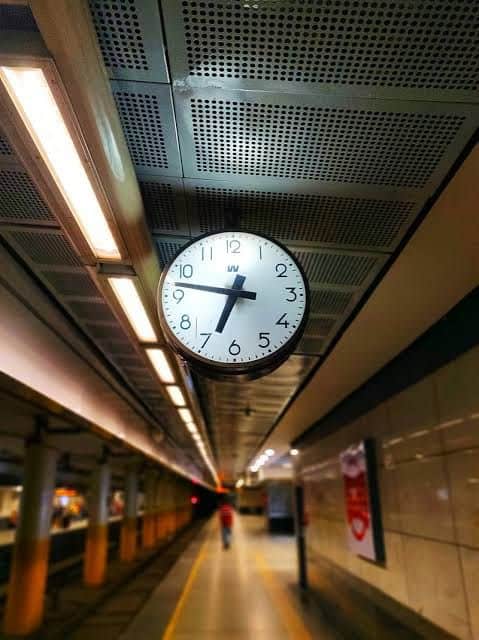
(208, 337)
(264, 341)
(185, 321)
(186, 270)
(178, 295)
(234, 348)
(281, 269)
(293, 296)
(282, 321)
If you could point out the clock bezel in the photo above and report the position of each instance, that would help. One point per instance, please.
(245, 370)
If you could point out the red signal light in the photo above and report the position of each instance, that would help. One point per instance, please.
(194, 500)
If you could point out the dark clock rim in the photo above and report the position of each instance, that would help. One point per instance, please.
(217, 369)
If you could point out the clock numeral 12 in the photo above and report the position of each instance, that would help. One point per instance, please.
(233, 246)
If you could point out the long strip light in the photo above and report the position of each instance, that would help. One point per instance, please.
(161, 365)
(176, 395)
(31, 94)
(130, 301)
(185, 415)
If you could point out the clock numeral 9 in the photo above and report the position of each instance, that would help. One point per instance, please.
(282, 321)
(264, 341)
(281, 269)
(185, 321)
(292, 291)
(234, 348)
(186, 270)
(233, 246)
(178, 295)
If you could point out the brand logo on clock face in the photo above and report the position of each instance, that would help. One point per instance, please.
(233, 298)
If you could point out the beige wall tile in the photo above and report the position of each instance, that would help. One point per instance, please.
(413, 418)
(390, 578)
(435, 584)
(424, 500)
(470, 567)
(388, 496)
(463, 468)
(457, 387)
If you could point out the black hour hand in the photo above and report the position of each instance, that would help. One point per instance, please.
(230, 302)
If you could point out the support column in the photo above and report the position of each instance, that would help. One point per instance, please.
(159, 535)
(148, 537)
(129, 525)
(94, 569)
(28, 573)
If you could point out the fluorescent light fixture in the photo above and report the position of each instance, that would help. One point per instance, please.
(161, 365)
(294, 452)
(176, 395)
(269, 452)
(240, 483)
(130, 301)
(191, 426)
(185, 415)
(31, 94)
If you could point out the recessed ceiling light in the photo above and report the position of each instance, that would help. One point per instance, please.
(130, 301)
(34, 100)
(185, 415)
(161, 365)
(176, 395)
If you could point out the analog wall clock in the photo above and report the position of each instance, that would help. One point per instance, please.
(233, 303)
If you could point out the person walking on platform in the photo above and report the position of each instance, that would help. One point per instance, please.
(226, 520)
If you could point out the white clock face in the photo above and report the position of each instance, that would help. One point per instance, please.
(233, 298)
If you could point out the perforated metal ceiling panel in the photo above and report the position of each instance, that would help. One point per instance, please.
(309, 214)
(131, 39)
(20, 202)
(391, 47)
(295, 138)
(165, 205)
(146, 113)
(240, 415)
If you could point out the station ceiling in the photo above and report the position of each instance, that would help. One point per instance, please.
(327, 125)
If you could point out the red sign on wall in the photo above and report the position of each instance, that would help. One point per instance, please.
(362, 509)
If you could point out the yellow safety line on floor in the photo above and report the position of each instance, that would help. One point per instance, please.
(185, 593)
(290, 618)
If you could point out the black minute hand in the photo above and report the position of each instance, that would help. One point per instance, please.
(238, 293)
(230, 303)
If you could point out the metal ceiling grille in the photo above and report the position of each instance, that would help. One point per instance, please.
(334, 268)
(49, 248)
(327, 301)
(72, 284)
(299, 139)
(130, 37)
(146, 113)
(389, 44)
(164, 205)
(293, 216)
(5, 148)
(17, 18)
(168, 248)
(20, 201)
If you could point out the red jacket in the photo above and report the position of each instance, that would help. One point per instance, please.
(226, 515)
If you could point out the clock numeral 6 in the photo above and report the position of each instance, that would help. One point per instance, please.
(282, 321)
(234, 348)
(178, 295)
(185, 321)
(264, 341)
(186, 270)
(281, 269)
(293, 296)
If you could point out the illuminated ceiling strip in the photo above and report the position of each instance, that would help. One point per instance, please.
(161, 365)
(130, 301)
(33, 99)
(176, 395)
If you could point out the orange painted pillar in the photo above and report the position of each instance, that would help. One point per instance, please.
(157, 509)
(28, 573)
(128, 536)
(96, 551)
(148, 537)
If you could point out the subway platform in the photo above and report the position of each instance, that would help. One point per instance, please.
(248, 591)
